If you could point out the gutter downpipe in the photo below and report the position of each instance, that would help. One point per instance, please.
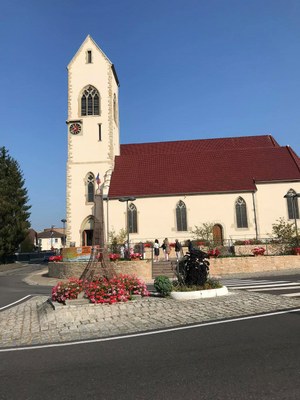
(255, 217)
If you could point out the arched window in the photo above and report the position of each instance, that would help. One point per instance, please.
(292, 204)
(90, 187)
(90, 101)
(132, 218)
(181, 216)
(241, 213)
(115, 107)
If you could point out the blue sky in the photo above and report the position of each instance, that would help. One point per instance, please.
(188, 70)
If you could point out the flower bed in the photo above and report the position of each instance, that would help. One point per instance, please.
(67, 290)
(120, 288)
(117, 256)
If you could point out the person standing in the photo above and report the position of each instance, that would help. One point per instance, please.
(190, 246)
(156, 250)
(178, 249)
(166, 248)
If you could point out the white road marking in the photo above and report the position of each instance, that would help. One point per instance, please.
(262, 286)
(246, 282)
(274, 288)
(130, 336)
(15, 302)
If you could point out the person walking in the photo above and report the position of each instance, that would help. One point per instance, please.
(178, 249)
(156, 250)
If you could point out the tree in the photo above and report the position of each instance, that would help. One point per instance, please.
(115, 240)
(285, 234)
(204, 232)
(14, 210)
(283, 230)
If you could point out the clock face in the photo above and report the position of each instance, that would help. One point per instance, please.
(75, 128)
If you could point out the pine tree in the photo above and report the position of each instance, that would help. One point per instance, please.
(14, 210)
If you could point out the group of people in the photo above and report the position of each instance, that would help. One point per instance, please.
(166, 249)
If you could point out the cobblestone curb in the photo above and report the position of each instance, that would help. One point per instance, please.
(35, 322)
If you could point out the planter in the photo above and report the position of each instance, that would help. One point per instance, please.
(199, 294)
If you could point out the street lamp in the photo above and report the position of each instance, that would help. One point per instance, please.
(64, 230)
(127, 199)
(51, 237)
(294, 196)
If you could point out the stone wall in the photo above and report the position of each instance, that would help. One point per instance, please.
(218, 266)
(140, 268)
(247, 249)
(235, 265)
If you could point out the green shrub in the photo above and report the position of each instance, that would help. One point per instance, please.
(163, 285)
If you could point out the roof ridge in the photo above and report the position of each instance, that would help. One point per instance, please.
(205, 139)
(294, 156)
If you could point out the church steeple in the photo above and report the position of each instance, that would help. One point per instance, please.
(93, 127)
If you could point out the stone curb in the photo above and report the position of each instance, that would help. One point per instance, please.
(34, 322)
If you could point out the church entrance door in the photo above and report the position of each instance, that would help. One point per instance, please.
(218, 235)
(87, 229)
(87, 237)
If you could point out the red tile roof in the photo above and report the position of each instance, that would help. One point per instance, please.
(201, 166)
(199, 145)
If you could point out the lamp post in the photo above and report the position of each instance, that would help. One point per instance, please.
(51, 239)
(127, 199)
(294, 196)
(64, 229)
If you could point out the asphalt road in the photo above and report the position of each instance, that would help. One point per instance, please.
(12, 288)
(249, 359)
(276, 283)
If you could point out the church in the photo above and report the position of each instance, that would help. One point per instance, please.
(165, 189)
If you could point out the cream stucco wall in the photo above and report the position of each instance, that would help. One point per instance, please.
(48, 243)
(157, 215)
(271, 205)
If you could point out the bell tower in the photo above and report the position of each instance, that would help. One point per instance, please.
(93, 135)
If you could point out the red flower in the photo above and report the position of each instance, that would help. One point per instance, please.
(55, 258)
(135, 255)
(213, 252)
(258, 251)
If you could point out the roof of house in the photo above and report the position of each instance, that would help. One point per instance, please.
(48, 234)
(201, 166)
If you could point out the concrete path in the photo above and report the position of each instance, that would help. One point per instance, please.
(35, 322)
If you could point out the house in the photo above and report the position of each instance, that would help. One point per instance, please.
(237, 184)
(51, 239)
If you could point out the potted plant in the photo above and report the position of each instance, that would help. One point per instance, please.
(192, 278)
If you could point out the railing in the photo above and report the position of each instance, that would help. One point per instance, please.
(33, 256)
(228, 247)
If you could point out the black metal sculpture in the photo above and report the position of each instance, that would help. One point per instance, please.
(193, 268)
(98, 263)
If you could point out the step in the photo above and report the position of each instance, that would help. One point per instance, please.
(162, 268)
